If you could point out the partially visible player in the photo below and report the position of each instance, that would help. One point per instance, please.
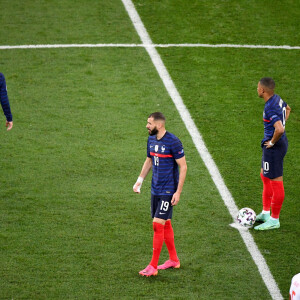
(274, 147)
(5, 103)
(164, 155)
(295, 288)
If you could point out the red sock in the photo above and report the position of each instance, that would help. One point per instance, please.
(267, 193)
(158, 240)
(278, 197)
(169, 240)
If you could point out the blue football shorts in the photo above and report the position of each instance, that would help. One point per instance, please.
(161, 207)
(272, 158)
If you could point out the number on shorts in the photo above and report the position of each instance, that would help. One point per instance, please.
(164, 205)
(266, 166)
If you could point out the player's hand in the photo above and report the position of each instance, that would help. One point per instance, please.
(137, 188)
(268, 145)
(9, 125)
(175, 199)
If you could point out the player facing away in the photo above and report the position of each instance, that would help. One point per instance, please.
(5, 103)
(165, 156)
(295, 288)
(274, 147)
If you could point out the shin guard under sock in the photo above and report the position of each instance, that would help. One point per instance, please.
(278, 197)
(158, 240)
(267, 193)
(169, 240)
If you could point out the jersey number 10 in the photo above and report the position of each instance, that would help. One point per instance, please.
(283, 112)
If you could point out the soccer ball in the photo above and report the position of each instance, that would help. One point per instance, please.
(246, 217)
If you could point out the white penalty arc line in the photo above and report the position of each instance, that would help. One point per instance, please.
(202, 149)
(11, 47)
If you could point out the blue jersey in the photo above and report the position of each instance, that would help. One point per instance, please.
(165, 173)
(4, 99)
(275, 110)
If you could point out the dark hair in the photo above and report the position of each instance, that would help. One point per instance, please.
(268, 82)
(157, 116)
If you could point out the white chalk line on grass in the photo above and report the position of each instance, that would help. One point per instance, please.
(202, 149)
(284, 47)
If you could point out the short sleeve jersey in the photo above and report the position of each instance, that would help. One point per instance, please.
(165, 172)
(275, 110)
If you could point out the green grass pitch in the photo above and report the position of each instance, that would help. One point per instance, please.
(70, 225)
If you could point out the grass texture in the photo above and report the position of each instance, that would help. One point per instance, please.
(70, 225)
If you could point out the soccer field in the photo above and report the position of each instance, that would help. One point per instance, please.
(81, 84)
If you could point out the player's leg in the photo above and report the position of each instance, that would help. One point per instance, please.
(173, 262)
(169, 236)
(162, 214)
(158, 239)
(267, 188)
(277, 180)
(266, 198)
(276, 204)
(278, 196)
(170, 241)
(159, 211)
(276, 157)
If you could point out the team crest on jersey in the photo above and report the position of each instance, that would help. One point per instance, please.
(163, 148)
(156, 148)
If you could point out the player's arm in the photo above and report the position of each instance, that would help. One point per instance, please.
(288, 111)
(5, 103)
(279, 131)
(182, 174)
(145, 170)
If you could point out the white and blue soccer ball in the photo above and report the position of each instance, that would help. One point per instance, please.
(246, 217)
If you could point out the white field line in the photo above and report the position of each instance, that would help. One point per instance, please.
(202, 149)
(284, 47)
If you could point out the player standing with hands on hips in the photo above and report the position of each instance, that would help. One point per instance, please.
(274, 147)
(5, 103)
(164, 155)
